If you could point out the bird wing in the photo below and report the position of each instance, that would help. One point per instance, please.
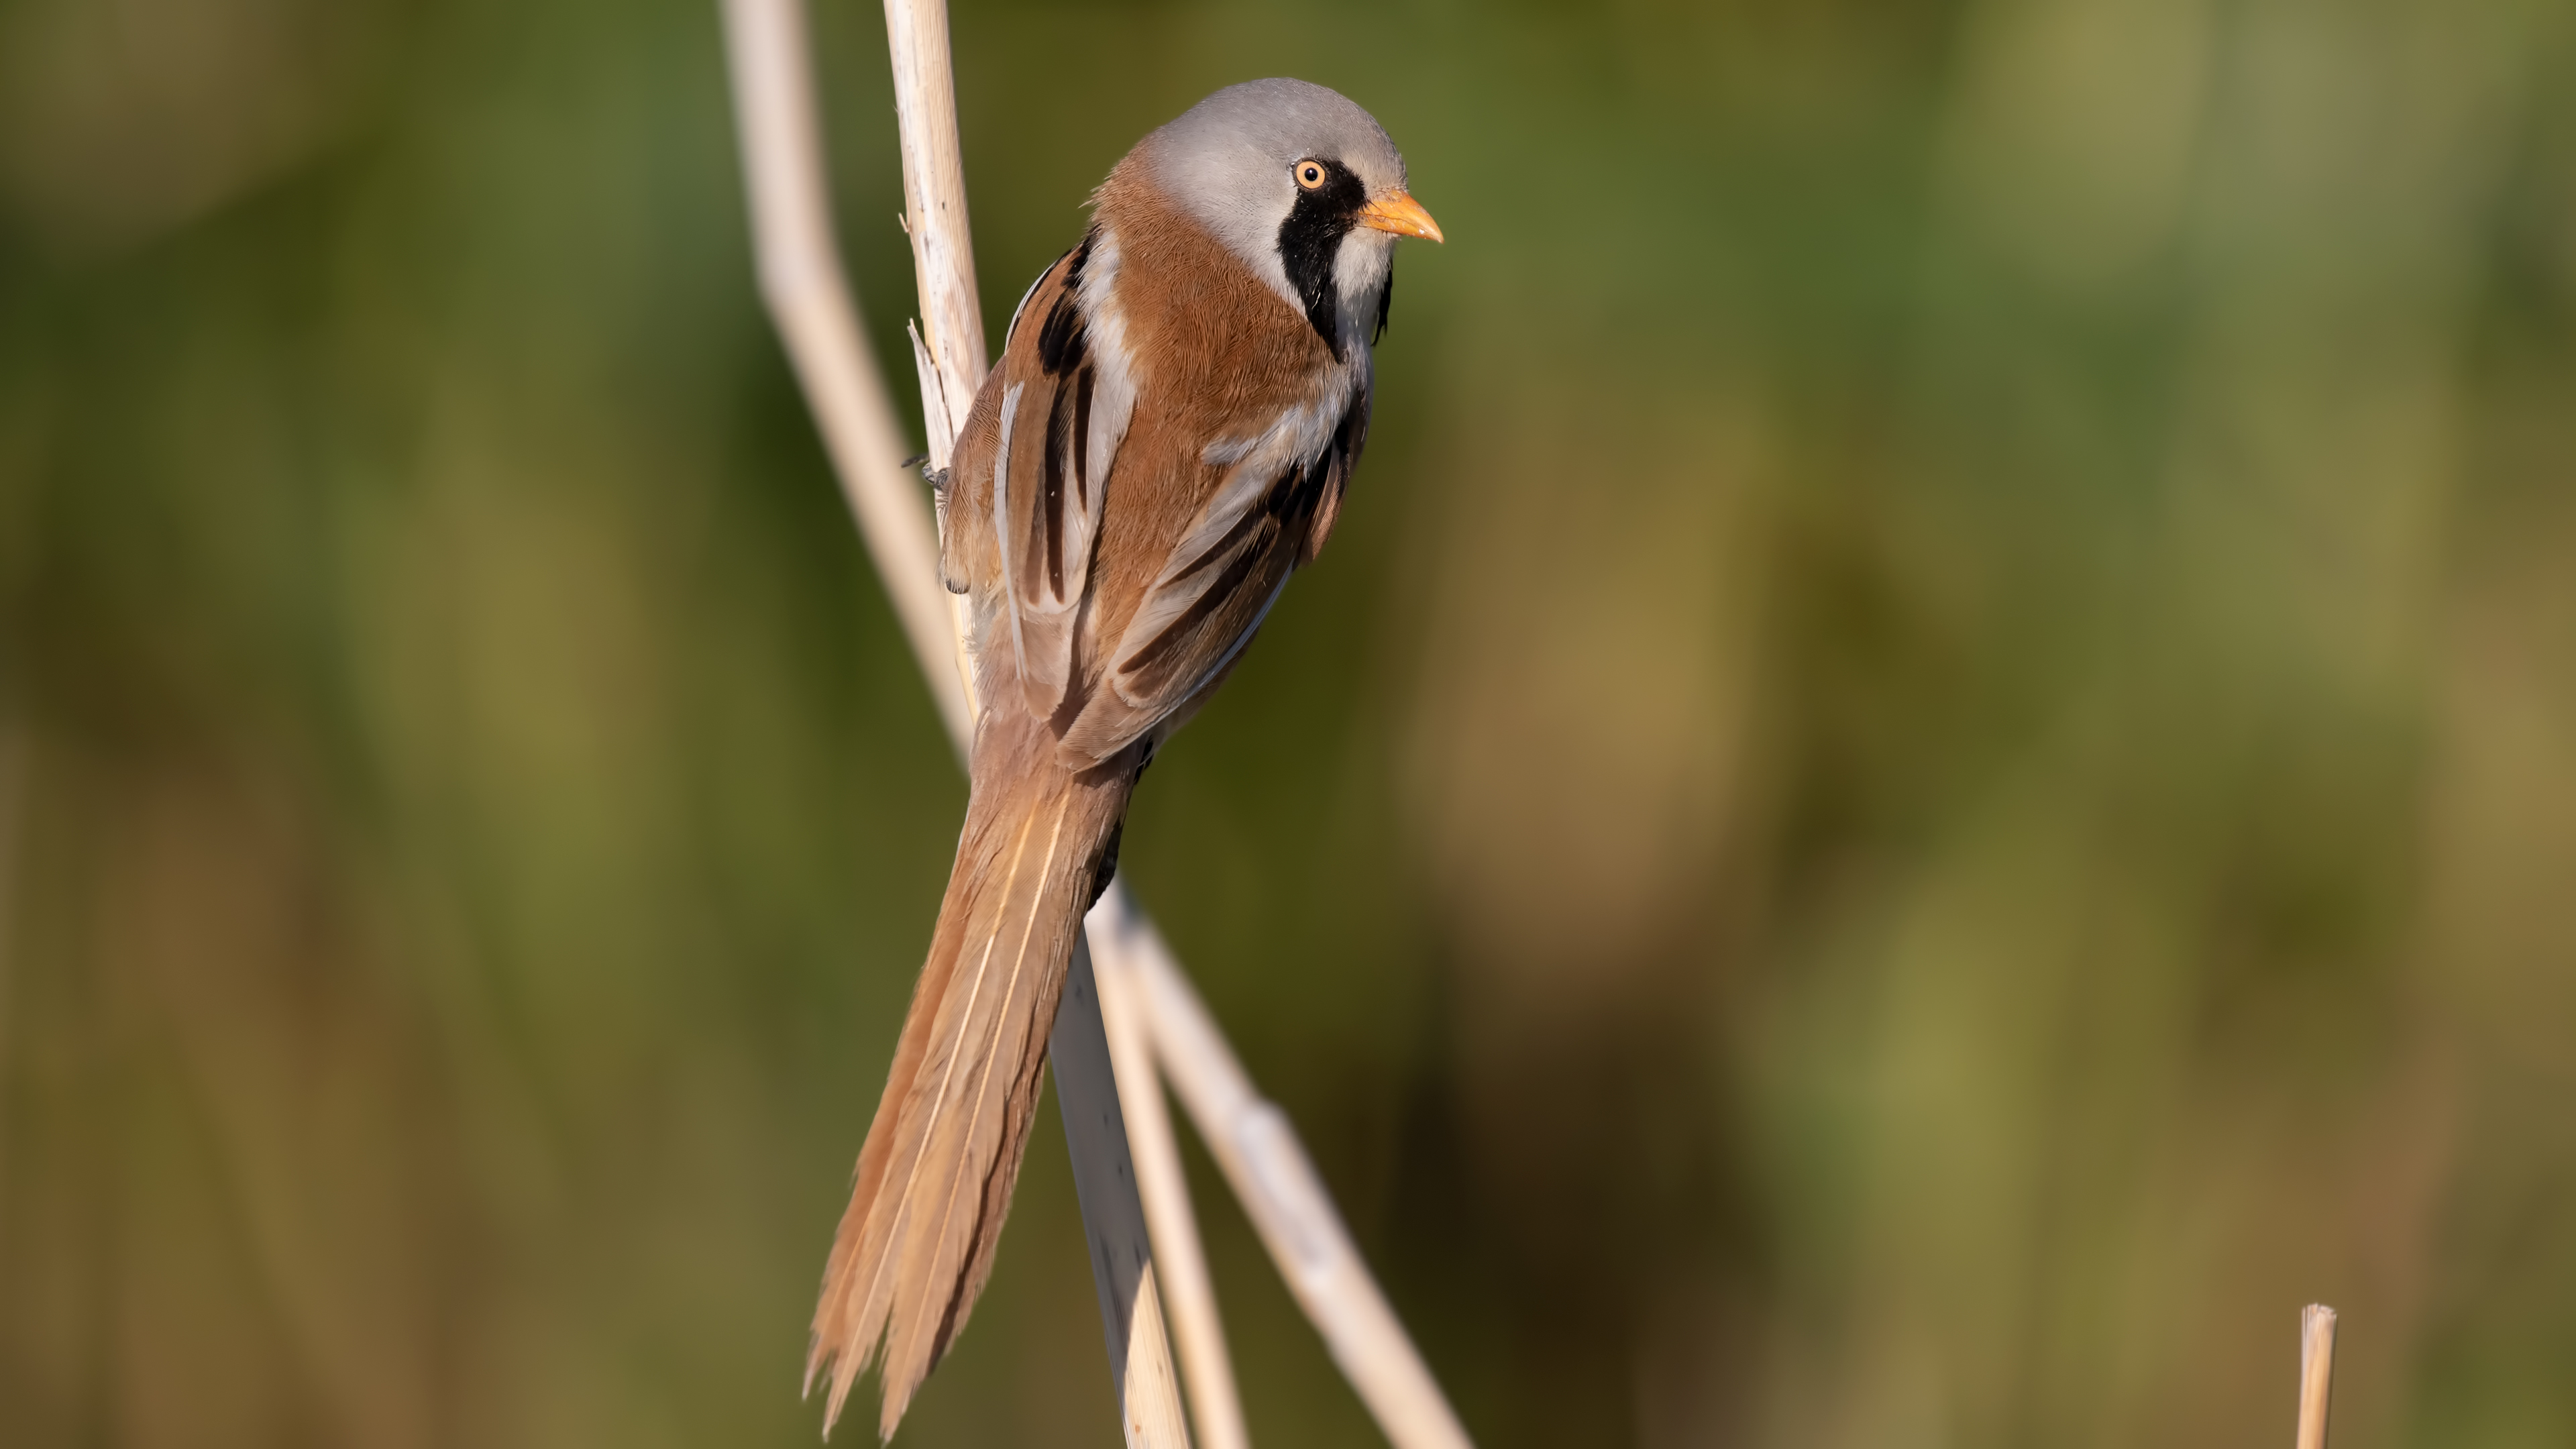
(1134, 485)
(1062, 414)
(1269, 515)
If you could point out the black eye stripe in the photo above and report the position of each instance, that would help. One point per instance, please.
(1312, 236)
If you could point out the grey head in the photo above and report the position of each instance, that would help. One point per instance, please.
(1303, 186)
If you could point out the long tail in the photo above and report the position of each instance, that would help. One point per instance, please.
(935, 1178)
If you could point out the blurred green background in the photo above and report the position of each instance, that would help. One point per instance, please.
(1932, 777)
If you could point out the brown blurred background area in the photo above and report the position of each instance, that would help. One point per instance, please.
(1932, 777)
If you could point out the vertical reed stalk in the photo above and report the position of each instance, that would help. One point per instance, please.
(802, 283)
(2316, 1373)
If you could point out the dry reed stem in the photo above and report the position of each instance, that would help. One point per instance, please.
(934, 200)
(948, 351)
(802, 283)
(1258, 1151)
(1089, 1090)
(2316, 1373)
(1215, 1405)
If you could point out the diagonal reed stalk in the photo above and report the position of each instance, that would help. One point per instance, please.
(1136, 1009)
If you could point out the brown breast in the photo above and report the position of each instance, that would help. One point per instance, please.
(1216, 354)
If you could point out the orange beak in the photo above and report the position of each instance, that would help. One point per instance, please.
(1401, 214)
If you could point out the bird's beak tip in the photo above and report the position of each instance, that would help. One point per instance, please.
(1399, 213)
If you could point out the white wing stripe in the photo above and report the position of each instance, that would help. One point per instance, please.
(1002, 536)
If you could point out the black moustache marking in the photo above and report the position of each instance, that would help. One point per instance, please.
(1385, 304)
(1311, 238)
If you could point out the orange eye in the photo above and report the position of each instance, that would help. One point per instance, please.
(1310, 174)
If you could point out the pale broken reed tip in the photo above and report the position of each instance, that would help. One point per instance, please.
(2316, 1373)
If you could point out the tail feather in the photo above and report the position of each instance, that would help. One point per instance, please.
(935, 1178)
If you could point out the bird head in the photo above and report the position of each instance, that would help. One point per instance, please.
(1302, 186)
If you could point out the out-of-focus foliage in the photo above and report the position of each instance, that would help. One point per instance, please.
(1932, 777)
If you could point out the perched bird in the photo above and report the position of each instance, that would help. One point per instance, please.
(1179, 405)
